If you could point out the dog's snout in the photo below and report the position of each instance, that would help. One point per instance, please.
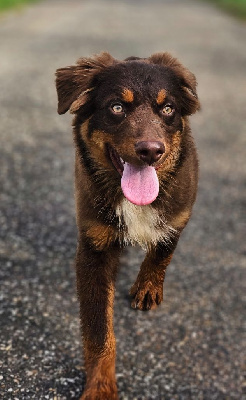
(149, 151)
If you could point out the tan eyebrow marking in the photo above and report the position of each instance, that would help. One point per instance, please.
(127, 95)
(161, 97)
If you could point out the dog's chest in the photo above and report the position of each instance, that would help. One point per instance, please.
(142, 225)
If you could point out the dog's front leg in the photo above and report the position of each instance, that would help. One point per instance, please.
(96, 273)
(147, 291)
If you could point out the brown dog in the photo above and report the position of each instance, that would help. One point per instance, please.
(136, 181)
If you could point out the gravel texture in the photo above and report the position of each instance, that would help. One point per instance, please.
(192, 346)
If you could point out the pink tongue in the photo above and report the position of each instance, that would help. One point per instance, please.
(140, 185)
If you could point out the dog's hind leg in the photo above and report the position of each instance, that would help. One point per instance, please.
(147, 291)
(96, 273)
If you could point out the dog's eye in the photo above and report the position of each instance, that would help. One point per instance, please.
(117, 108)
(168, 109)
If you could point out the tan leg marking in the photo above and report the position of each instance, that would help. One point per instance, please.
(101, 235)
(100, 363)
(147, 291)
(180, 220)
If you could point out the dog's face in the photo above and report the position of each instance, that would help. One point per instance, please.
(131, 115)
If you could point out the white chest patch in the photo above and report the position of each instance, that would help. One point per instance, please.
(143, 223)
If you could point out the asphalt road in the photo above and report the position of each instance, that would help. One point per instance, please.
(192, 346)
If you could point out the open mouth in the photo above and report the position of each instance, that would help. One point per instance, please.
(139, 184)
(117, 161)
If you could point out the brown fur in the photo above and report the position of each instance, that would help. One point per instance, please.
(140, 88)
(161, 97)
(127, 96)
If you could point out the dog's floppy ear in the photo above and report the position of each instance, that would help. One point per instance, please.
(74, 83)
(187, 81)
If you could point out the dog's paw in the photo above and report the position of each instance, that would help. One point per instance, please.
(146, 295)
(100, 391)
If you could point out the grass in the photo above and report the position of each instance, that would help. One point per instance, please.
(235, 7)
(7, 4)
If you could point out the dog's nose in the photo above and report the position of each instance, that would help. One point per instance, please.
(149, 151)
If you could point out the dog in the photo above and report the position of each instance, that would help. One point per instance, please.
(136, 174)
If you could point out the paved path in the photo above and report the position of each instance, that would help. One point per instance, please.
(191, 347)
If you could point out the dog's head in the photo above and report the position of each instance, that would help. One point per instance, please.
(130, 116)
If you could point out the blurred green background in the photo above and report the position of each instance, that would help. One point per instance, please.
(6, 4)
(235, 7)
